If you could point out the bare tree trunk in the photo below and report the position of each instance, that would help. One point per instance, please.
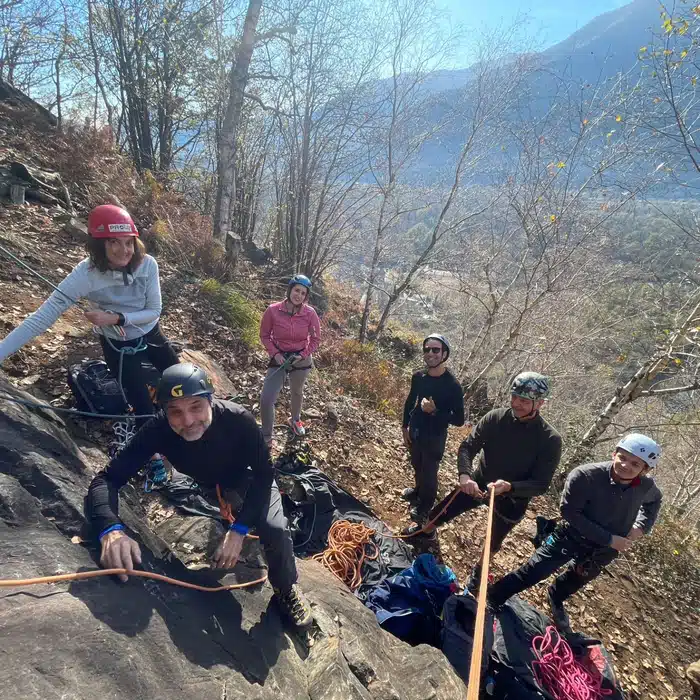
(226, 186)
(96, 63)
(636, 387)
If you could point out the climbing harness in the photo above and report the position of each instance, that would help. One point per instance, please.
(80, 575)
(126, 350)
(559, 673)
(226, 511)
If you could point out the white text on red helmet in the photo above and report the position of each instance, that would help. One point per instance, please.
(119, 228)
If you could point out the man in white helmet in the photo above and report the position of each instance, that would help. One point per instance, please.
(605, 508)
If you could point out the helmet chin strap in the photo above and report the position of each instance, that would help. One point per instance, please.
(534, 411)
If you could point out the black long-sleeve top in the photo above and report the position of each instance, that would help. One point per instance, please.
(524, 453)
(445, 392)
(231, 453)
(597, 507)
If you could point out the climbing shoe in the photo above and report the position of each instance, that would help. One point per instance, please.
(295, 607)
(409, 494)
(297, 427)
(417, 516)
(416, 530)
(156, 474)
(559, 616)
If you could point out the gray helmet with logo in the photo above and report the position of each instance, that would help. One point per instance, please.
(183, 380)
(530, 385)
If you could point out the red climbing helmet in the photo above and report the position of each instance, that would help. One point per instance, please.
(110, 221)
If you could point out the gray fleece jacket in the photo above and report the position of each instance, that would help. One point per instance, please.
(136, 295)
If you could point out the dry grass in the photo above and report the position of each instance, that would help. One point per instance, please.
(361, 371)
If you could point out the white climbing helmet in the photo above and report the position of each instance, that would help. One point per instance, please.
(641, 446)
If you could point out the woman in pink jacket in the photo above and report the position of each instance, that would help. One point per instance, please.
(291, 333)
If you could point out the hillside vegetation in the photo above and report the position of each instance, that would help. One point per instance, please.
(645, 610)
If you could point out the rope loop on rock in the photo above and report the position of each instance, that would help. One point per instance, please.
(80, 575)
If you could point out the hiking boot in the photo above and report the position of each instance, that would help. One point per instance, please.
(417, 516)
(559, 615)
(295, 607)
(474, 581)
(410, 494)
(297, 427)
(417, 530)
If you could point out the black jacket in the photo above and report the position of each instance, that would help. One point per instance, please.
(231, 453)
(446, 393)
(597, 507)
(525, 453)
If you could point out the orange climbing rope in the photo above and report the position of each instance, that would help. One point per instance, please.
(348, 545)
(453, 495)
(80, 575)
(226, 513)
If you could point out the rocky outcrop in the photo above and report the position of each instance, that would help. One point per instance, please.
(102, 639)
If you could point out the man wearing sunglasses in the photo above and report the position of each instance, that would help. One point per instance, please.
(519, 453)
(434, 402)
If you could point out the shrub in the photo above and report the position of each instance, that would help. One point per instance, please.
(362, 372)
(240, 314)
(673, 550)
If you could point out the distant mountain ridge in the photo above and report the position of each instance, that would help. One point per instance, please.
(606, 46)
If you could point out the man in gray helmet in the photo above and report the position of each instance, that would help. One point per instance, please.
(219, 444)
(520, 452)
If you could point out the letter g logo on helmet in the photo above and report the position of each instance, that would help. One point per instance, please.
(176, 391)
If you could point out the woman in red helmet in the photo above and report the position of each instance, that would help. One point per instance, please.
(121, 281)
(291, 333)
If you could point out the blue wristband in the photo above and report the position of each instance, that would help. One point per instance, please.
(239, 528)
(112, 528)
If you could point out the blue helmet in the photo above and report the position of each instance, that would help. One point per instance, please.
(303, 280)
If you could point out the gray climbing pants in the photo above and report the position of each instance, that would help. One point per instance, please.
(274, 380)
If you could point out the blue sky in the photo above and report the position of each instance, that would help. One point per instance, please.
(550, 21)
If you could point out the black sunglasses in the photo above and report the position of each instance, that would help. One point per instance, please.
(433, 350)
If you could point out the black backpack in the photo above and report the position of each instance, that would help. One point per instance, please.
(96, 390)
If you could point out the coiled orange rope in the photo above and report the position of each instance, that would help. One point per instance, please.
(80, 575)
(348, 543)
(347, 550)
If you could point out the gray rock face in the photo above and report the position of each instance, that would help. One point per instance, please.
(143, 639)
